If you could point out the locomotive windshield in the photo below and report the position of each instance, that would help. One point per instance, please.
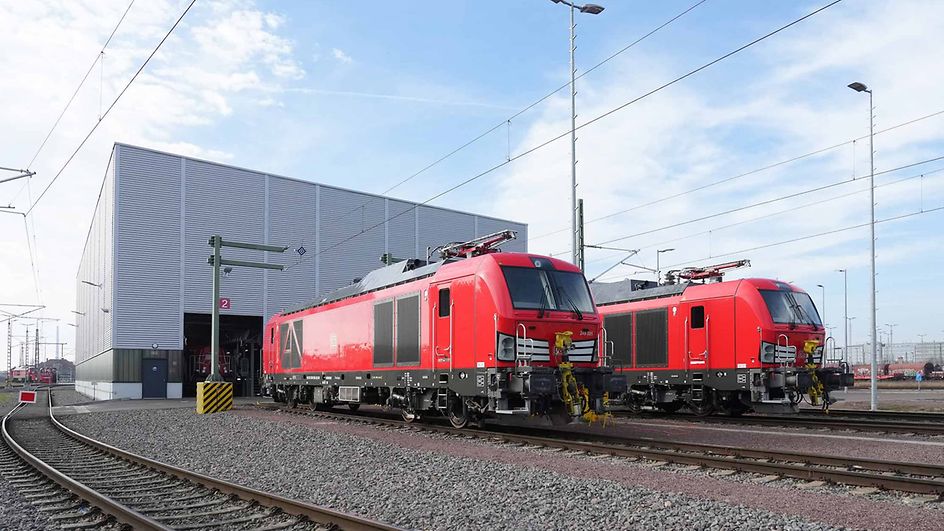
(790, 307)
(537, 289)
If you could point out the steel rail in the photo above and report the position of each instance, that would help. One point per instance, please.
(809, 420)
(120, 512)
(797, 465)
(894, 415)
(125, 514)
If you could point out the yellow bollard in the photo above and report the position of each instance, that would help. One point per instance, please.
(213, 397)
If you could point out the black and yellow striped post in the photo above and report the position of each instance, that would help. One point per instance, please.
(213, 397)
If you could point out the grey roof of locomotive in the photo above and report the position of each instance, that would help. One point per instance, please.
(385, 277)
(617, 292)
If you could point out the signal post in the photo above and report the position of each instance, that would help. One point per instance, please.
(215, 394)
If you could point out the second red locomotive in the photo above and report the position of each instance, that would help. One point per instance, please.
(478, 334)
(731, 347)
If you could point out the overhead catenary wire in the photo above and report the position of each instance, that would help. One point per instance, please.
(806, 237)
(98, 57)
(507, 121)
(111, 106)
(566, 133)
(762, 203)
(740, 175)
(773, 214)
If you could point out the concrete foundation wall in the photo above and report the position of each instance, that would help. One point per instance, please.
(118, 391)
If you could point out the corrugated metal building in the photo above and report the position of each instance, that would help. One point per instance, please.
(143, 287)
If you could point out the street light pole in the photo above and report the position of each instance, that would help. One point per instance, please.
(873, 379)
(591, 9)
(845, 312)
(891, 339)
(822, 287)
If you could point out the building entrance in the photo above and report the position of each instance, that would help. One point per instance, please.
(240, 352)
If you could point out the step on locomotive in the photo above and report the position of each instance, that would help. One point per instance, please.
(477, 334)
(715, 346)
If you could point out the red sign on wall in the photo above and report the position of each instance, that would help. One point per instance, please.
(28, 396)
(224, 303)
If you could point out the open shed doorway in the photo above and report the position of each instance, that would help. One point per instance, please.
(240, 352)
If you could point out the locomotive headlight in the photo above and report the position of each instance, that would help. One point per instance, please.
(768, 352)
(505, 349)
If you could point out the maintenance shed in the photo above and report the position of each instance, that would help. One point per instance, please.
(143, 287)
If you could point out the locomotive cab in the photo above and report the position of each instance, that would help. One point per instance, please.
(791, 352)
(547, 337)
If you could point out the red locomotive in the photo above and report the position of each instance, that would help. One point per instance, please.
(24, 375)
(478, 334)
(47, 375)
(731, 347)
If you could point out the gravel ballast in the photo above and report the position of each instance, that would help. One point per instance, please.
(409, 486)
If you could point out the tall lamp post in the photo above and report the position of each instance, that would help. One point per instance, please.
(822, 287)
(891, 340)
(658, 270)
(845, 312)
(873, 379)
(591, 9)
(852, 337)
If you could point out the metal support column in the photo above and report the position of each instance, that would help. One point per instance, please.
(581, 258)
(215, 319)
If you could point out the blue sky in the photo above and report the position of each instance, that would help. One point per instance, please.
(364, 94)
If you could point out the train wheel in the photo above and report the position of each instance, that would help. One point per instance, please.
(458, 413)
(670, 407)
(702, 409)
(354, 406)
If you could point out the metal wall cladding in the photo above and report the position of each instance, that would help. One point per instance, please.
(401, 230)
(127, 364)
(292, 223)
(351, 236)
(652, 338)
(147, 249)
(438, 227)
(99, 368)
(486, 225)
(93, 333)
(229, 202)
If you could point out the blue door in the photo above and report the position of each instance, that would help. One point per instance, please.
(153, 378)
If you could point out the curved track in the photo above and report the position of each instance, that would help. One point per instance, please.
(891, 475)
(113, 485)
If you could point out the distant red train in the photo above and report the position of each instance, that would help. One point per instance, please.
(730, 347)
(27, 375)
(479, 334)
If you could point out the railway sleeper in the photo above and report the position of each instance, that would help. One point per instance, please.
(155, 509)
(204, 514)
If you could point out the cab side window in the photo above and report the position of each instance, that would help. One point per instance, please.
(698, 317)
(444, 302)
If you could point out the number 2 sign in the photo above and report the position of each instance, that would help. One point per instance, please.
(224, 303)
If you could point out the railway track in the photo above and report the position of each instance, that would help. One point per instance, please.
(886, 422)
(890, 475)
(90, 484)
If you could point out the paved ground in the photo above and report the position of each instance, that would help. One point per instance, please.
(125, 405)
(892, 399)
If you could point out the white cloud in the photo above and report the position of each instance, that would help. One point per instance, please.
(221, 61)
(694, 133)
(339, 54)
